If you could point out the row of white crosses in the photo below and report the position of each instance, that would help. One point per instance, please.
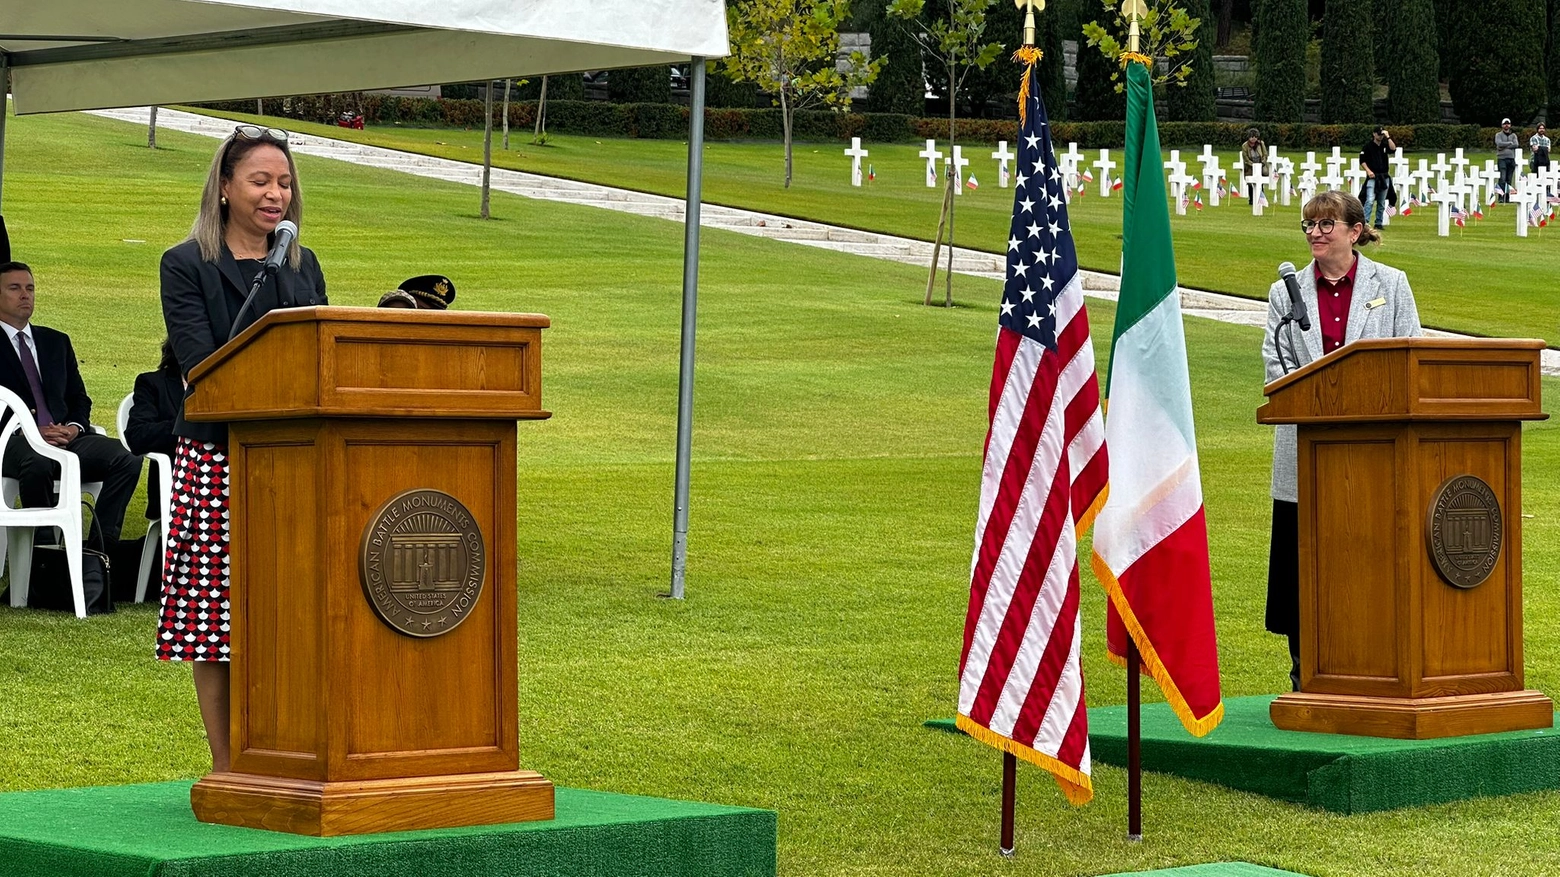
(954, 164)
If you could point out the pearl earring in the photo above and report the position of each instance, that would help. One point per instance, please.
(224, 200)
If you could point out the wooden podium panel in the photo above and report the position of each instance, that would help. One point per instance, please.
(1388, 646)
(342, 723)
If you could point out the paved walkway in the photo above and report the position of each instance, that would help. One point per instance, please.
(1210, 305)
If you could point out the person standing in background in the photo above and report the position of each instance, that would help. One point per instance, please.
(1539, 144)
(1506, 146)
(1252, 154)
(1378, 177)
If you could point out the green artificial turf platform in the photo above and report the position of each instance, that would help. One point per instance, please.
(149, 831)
(1213, 869)
(1336, 772)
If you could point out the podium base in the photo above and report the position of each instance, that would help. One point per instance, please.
(329, 809)
(1406, 718)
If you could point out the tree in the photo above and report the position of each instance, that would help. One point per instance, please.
(957, 42)
(1408, 47)
(901, 85)
(1348, 65)
(1097, 99)
(1501, 70)
(788, 48)
(995, 86)
(1056, 24)
(151, 129)
(1167, 33)
(1194, 100)
(640, 85)
(1283, 32)
(487, 147)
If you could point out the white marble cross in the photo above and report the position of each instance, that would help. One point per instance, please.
(1106, 166)
(1443, 198)
(1180, 180)
(1310, 165)
(1069, 161)
(1521, 167)
(1335, 163)
(1286, 180)
(856, 154)
(1460, 161)
(1003, 157)
(1422, 178)
(1400, 162)
(1524, 200)
(958, 163)
(1307, 189)
(1333, 180)
(932, 155)
(1257, 181)
(1212, 173)
(1356, 176)
(1440, 167)
(1491, 175)
(1402, 181)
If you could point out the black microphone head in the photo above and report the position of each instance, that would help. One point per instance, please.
(1286, 269)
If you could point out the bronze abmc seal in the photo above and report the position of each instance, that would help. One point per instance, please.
(1464, 530)
(422, 561)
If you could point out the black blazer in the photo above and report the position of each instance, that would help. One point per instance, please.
(63, 389)
(158, 397)
(201, 299)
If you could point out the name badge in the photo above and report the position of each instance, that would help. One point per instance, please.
(1376, 303)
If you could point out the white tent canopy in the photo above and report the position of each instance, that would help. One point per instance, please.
(99, 54)
(92, 54)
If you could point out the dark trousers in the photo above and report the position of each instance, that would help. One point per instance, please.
(1283, 598)
(102, 459)
(1508, 170)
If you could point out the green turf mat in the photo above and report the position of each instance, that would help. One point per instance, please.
(149, 831)
(1213, 869)
(1335, 772)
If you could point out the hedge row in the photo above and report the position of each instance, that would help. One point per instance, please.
(669, 121)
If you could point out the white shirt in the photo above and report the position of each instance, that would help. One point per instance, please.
(32, 347)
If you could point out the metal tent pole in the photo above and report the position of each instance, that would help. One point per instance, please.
(689, 312)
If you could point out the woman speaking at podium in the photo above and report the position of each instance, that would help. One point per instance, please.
(1346, 297)
(251, 189)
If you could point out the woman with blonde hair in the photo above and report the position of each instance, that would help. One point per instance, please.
(1348, 297)
(251, 188)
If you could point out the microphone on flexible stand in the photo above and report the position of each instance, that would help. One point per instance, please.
(286, 232)
(1297, 314)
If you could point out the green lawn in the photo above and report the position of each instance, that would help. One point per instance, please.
(1483, 280)
(837, 452)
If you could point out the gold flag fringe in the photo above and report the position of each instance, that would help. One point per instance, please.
(1028, 56)
(1194, 725)
(1075, 785)
(1139, 57)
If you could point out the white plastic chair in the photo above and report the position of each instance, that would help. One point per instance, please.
(157, 530)
(66, 515)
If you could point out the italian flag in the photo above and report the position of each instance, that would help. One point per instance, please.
(1151, 538)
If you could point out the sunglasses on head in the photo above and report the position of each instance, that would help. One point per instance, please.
(255, 132)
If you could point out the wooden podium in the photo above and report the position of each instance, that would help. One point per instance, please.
(1410, 570)
(373, 569)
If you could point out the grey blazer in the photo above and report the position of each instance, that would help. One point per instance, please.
(1395, 317)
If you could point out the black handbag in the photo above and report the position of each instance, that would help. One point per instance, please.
(49, 586)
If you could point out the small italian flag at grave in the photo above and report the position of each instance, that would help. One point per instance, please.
(1409, 210)
(1151, 539)
(972, 182)
(1116, 186)
(871, 174)
(1197, 201)
(1088, 177)
(1478, 212)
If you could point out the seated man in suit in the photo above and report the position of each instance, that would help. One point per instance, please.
(39, 365)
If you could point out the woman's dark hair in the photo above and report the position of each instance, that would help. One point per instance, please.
(169, 361)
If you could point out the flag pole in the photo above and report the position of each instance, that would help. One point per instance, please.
(1009, 760)
(1134, 11)
(1009, 794)
(1134, 743)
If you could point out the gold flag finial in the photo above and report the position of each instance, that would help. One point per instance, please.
(1133, 11)
(1030, 7)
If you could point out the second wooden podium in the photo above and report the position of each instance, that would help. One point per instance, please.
(1410, 478)
(373, 598)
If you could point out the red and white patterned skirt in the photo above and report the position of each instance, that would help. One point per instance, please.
(194, 625)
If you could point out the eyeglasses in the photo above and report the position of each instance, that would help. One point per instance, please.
(1323, 225)
(255, 132)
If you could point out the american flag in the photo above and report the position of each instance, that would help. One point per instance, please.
(1020, 682)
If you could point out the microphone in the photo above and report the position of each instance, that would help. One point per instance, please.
(1286, 270)
(287, 231)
